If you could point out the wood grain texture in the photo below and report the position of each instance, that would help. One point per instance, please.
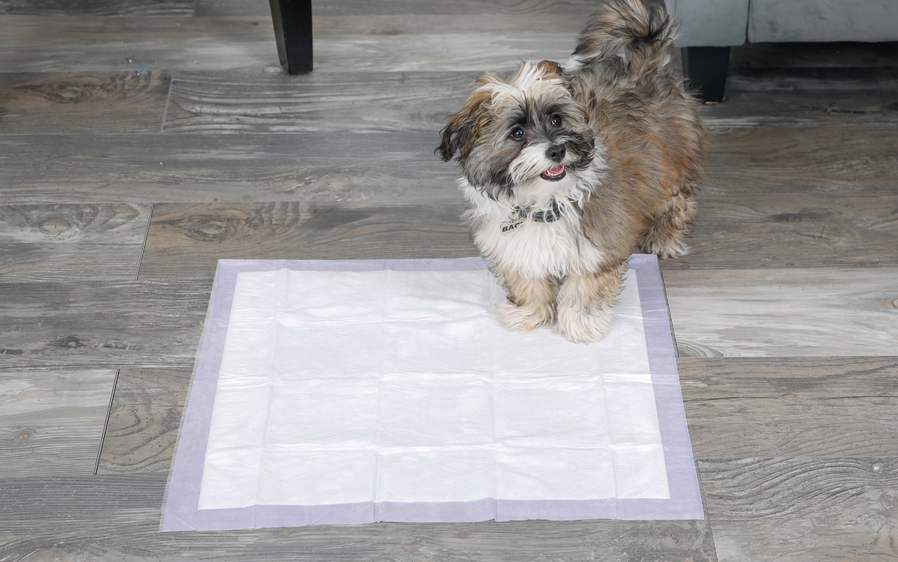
(64, 507)
(791, 407)
(97, 223)
(255, 101)
(803, 509)
(51, 422)
(188, 240)
(111, 517)
(97, 8)
(804, 96)
(793, 230)
(72, 242)
(260, 102)
(806, 160)
(456, 43)
(342, 43)
(581, 8)
(395, 168)
(762, 232)
(83, 102)
(230, 8)
(798, 312)
(134, 43)
(404, 7)
(94, 325)
(144, 420)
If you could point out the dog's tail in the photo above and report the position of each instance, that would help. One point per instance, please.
(641, 36)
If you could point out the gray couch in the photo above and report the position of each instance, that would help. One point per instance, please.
(710, 27)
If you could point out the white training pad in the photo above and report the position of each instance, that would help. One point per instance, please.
(388, 387)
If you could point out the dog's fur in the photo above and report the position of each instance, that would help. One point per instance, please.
(632, 147)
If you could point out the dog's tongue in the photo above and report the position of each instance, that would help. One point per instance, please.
(553, 173)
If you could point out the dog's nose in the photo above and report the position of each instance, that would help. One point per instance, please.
(556, 152)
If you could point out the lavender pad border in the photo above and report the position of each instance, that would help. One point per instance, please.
(180, 513)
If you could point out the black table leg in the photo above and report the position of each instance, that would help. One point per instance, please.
(293, 32)
(706, 69)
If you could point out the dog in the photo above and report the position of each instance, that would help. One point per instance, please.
(567, 170)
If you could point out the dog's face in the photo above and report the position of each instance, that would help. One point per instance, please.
(522, 138)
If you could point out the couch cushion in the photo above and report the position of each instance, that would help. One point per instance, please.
(821, 20)
(709, 23)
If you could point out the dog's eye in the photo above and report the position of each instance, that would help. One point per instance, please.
(517, 134)
(555, 120)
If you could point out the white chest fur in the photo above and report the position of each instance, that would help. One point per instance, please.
(533, 248)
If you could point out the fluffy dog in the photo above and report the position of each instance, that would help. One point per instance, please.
(568, 170)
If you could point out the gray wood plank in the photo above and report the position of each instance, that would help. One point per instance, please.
(791, 407)
(68, 262)
(83, 102)
(188, 240)
(377, 101)
(361, 102)
(801, 312)
(807, 160)
(97, 8)
(93, 325)
(355, 43)
(229, 8)
(404, 7)
(144, 420)
(111, 517)
(582, 8)
(253, 101)
(97, 223)
(134, 43)
(793, 230)
(71, 242)
(185, 240)
(63, 507)
(803, 96)
(52, 421)
(803, 509)
(395, 168)
(487, 42)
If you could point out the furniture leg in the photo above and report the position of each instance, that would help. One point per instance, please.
(706, 69)
(293, 33)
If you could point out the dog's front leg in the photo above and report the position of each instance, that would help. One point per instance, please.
(585, 301)
(531, 302)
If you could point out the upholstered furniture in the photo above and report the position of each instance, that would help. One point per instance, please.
(711, 27)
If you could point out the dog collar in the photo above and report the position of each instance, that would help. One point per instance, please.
(519, 217)
(550, 215)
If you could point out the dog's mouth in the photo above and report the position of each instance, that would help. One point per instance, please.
(553, 174)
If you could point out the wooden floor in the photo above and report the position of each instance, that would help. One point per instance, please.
(140, 141)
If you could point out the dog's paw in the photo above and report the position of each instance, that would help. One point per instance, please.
(668, 248)
(521, 319)
(583, 326)
(672, 250)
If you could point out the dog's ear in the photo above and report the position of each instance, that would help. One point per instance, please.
(551, 69)
(459, 134)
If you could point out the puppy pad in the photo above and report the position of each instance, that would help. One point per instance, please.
(358, 391)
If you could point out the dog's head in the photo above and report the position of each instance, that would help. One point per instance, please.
(518, 137)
